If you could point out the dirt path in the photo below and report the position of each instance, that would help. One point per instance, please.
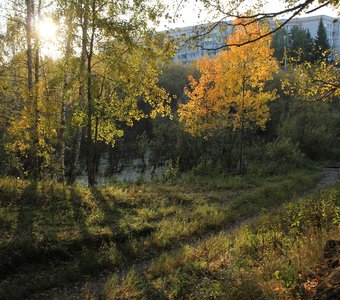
(328, 176)
(93, 287)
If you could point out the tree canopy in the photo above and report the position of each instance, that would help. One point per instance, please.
(108, 66)
(230, 91)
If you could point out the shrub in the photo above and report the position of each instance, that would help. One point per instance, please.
(283, 151)
(310, 125)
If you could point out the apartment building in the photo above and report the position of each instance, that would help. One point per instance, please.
(191, 48)
(213, 37)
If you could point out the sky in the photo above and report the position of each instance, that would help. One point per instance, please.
(192, 10)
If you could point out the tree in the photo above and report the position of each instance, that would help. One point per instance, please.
(230, 91)
(280, 44)
(107, 77)
(118, 69)
(300, 44)
(314, 80)
(27, 139)
(297, 45)
(174, 78)
(321, 44)
(310, 125)
(66, 9)
(200, 113)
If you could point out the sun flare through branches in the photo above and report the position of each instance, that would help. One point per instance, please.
(47, 29)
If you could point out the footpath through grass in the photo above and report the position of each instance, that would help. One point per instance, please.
(51, 235)
(270, 259)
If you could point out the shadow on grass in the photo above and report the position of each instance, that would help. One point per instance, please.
(27, 206)
(111, 216)
(79, 217)
(22, 246)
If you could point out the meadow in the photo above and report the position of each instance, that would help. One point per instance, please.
(53, 235)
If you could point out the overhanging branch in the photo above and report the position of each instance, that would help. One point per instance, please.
(258, 17)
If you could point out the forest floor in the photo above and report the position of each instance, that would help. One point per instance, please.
(96, 286)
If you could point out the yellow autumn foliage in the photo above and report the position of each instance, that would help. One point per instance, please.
(230, 91)
(313, 82)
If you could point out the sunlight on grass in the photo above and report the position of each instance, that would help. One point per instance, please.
(89, 230)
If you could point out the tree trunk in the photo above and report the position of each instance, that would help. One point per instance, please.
(227, 150)
(75, 156)
(241, 162)
(95, 145)
(91, 169)
(36, 166)
(29, 53)
(61, 177)
(82, 87)
(68, 52)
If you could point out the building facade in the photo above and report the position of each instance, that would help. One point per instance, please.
(191, 48)
(213, 37)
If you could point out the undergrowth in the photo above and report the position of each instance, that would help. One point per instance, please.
(268, 259)
(51, 235)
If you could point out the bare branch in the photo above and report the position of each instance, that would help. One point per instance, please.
(299, 7)
(206, 32)
(325, 96)
(316, 8)
(255, 39)
(257, 17)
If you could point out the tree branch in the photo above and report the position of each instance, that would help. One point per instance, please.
(295, 10)
(255, 39)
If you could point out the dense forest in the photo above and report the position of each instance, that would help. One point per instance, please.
(112, 91)
(124, 175)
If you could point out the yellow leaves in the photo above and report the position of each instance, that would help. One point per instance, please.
(230, 89)
(319, 81)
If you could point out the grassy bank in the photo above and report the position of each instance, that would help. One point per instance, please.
(269, 259)
(52, 235)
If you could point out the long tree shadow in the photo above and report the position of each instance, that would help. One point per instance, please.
(27, 205)
(78, 215)
(111, 216)
(49, 213)
(22, 247)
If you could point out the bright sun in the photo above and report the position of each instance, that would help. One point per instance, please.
(47, 29)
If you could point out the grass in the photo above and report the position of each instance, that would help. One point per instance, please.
(269, 259)
(51, 235)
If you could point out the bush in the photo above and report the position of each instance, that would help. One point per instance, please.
(311, 126)
(204, 169)
(172, 170)
(283, 151)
